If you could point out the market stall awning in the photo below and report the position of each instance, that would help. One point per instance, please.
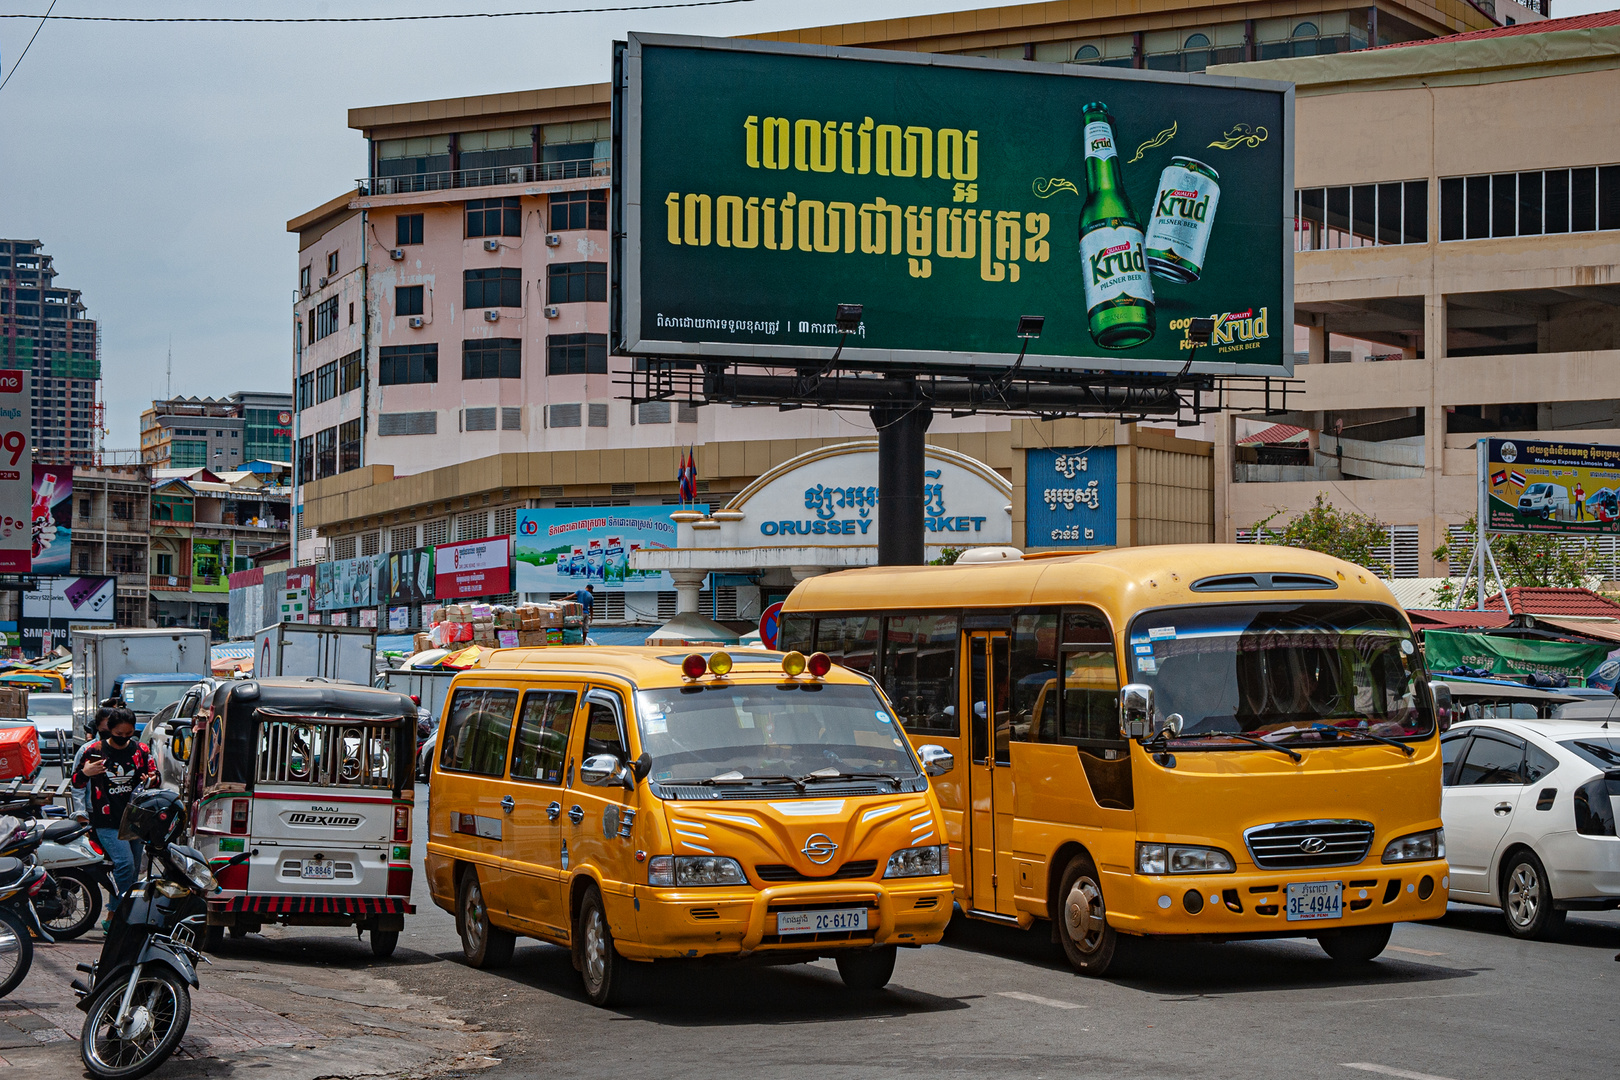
(1602, 629)
(691, 628)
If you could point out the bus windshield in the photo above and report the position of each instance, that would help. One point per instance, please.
(1309, 672)
(733, 733)
(150, 697)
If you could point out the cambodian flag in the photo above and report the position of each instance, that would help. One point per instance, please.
(687, 476)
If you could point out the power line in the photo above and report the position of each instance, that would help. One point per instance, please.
(372, 18)
(30, 45)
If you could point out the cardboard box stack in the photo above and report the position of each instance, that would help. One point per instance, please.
(14, 702)
(500, 626)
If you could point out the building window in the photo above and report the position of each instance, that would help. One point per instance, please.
(399, 365)
(1087, 54)
(351, 312)
(267, 436)
(164, 564)
(408, 299)
(575, 283)
(495, 149)
(576, 354)
(306, 391)
(570, 148)
(326, 452)
(416, 157)
(491, 358)
(579, 210)
(407, 229)
(494, 217)
(306, 459)
(187, 454)
(1361, 216)
(326, 318)
(1549, 202)
(351, 371)
(303, 278)
(326, 381)
(331, 264)
(349, 445)
(499, 286)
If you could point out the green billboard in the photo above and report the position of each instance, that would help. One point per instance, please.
(760, 185)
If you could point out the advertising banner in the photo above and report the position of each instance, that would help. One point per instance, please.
(1552, 487)
(565, 550)
(59, 604)
(52, 519)
(405, 577)
(1070, 497)
(208, 567)
(16, 474)
(1446, 650)
(473, 568)
(346, 583)
(1117, 204)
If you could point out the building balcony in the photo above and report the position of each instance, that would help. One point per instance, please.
(170, 582)
(534, 173)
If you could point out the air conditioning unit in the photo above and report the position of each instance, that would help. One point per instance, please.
(305, 291)
(552, 313)
(384, 185)
(515, 175)
(492, 316)
(416, 322)
(492, 245)
(323, 283)
(398, 254)
(553, 239)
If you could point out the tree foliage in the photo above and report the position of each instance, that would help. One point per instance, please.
(947, 556)
(1345, 534)
(1524, 559)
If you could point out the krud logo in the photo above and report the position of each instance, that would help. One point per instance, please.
(1183, 204)
(1231, 327)
(1102, 143)
(1119, 259)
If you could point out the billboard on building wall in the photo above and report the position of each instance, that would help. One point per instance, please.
(405, 577)
(1071, 497)
(1552, 487)
(209, 572)
(565, 550)
(16, 477)
(346, 583)
(59, 604)
(473, 568)
(762, 184)
(52, 517)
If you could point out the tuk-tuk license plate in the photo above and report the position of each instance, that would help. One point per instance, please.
(324, 872)
(1315, 900)
(830, 921)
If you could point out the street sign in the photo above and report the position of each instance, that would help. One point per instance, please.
(768, 624)
(16, 474)
(763, 184)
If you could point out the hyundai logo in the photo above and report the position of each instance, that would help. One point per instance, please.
(1313, 845)
(819, 849)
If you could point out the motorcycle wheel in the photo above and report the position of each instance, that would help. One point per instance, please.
(16, 951)
(166, 1002)
(80, 896)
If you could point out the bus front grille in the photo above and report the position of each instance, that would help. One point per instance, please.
(779, 872)
(1307, 845)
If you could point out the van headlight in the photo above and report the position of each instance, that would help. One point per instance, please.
(1181, 859)
(930, 861)
(1417, 847)
(672, 870)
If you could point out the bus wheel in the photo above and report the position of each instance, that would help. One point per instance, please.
(1357, 944)
(1082, 920)
(484, 944)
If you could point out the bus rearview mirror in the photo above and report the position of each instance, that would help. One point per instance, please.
(936, 760)
(1136, 711)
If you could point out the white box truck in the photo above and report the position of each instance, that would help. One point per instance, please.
(303, 650)
(102, 658)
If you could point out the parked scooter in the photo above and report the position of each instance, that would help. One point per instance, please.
(20, 840)
(67, 848)
(19, 882)
(138, 1000)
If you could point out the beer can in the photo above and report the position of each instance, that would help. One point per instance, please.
(1183, 215)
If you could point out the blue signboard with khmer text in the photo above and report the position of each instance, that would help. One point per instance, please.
(1070, 497)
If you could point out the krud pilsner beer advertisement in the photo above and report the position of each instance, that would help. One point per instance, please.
(763, 185)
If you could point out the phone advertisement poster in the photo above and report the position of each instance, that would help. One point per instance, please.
(52, 515)
(566, 550)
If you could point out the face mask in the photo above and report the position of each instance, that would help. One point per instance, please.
(119, 740)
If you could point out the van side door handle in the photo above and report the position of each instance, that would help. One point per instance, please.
(554, 811)
(576, 813)
(507, 804)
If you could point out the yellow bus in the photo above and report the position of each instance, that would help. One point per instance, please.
(1228, 741)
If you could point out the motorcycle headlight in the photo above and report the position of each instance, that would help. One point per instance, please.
(193, 869)
(1417, 847)
(1181, 859)
(689, 870)
(930, 861)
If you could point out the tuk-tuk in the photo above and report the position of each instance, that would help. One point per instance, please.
(316, 779)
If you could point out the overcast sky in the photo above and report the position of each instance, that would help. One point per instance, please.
(159, 163)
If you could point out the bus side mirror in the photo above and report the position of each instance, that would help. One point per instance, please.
(1136, 711)
(936, 760)
(1444, 707)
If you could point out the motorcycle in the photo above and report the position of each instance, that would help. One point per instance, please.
(79, 870)
(138, 999)
(19, 882)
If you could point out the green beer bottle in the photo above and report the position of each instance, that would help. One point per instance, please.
(1119, 292)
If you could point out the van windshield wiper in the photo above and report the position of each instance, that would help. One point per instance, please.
(1244, 736)
(1357, 733)
(734, 777)
(839, 774)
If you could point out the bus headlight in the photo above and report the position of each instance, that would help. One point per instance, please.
(694, 870)
(1181, 859)
(930, 861)
(1417, 847)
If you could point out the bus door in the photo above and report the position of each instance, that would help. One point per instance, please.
(990, 785)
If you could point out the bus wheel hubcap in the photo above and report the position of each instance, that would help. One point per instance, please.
(1083, 912)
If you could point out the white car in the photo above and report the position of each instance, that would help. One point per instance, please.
(1529, 808)
(52, 717)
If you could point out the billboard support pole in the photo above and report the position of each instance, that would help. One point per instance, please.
(1482, 556)
(901, 450)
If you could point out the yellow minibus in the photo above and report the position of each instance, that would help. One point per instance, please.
(1227, 741)
(640, 804)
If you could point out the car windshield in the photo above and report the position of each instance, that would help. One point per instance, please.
(150, 697)
(49, 705)
(1601, 750)
(729, 733)
(1308, 672)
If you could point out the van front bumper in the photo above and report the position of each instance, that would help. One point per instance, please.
(688, 923)
(1254, 903)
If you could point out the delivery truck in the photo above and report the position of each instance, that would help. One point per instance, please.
(103, 658)
(305, 650)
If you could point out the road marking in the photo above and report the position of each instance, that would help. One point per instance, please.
(1414, 952)
(1400, 997)
(1385, 1070)
(1035, 999)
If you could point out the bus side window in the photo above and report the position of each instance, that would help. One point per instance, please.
(851, 640)
(1090, 709)
(1034, 675)
(919, 673)
(793, 633)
